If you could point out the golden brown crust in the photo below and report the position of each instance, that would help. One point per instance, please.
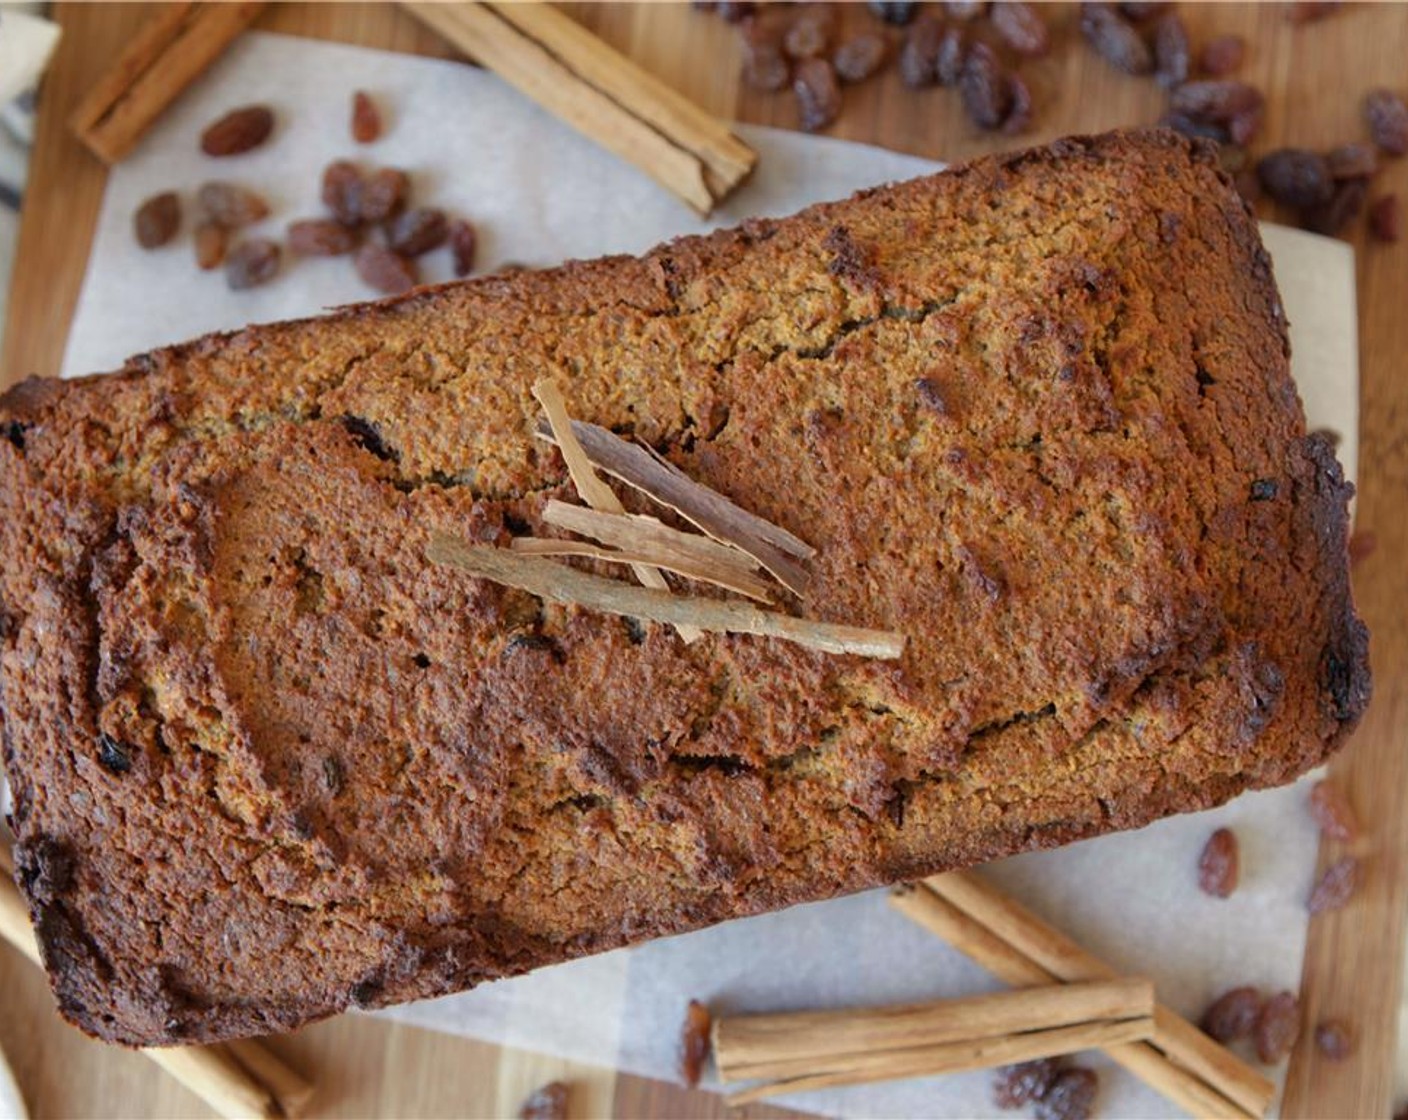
(1035, 413)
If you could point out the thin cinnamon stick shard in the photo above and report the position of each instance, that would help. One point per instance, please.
(730, 579)
(561, 584)
(663, 482)
(636, 531)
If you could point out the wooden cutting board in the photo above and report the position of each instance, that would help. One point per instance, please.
(1314, 77)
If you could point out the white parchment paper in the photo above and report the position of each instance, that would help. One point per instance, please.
(539, 193)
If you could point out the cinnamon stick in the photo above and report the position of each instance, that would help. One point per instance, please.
(634, 530)
(167, 54)
(601, 93)
(730, 579)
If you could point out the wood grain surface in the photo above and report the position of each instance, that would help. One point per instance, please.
(1314, 77)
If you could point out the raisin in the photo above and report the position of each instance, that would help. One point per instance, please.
(320, 237)
(1019, 116)
(809, 35)
(920, 53)
(765, 67)
(230, 205)
(953, 53)
(384, 270)
(694, 1042)
(964, 10)
(157, 220)
(1211, 100)
(1331, 217)
(1336, 886)
(252, 263)
(1070, 1097)
(1218, 865)
(1331, 810)
(463, 243)
(898, 13)
(1194, 128)
(1277, 1027)
(366, 118)
(1223, 55)
(418, 231)
(1352, 161)
(1139, 11)
(1384, 219)
(211, 240)
(383, 194)
(987, 95)
(1296, 177)
(1021, 1084)
(238, 131)
(1264, 489)
(547, 1103)
(818, 93)
(1115, 39)
(342, 192)
(1335, 1039)
(1021, 28)
(1232, 1015)
(1387, 116)
(115, 756)
(1172, 51)
(859, 57)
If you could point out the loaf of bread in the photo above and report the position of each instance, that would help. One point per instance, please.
(1035, 414)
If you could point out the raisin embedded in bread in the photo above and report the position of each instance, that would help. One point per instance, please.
(1035, 413)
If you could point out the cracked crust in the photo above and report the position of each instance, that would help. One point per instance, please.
(1035, 413)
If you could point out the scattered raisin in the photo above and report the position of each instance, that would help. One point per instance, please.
(964, 10)
(953, 53)
(920, 53)
(1172, 51)
(1296, 177)
(1215, 100)
(987, 94)
(764, 65)
(1336, 886)
(383, 194)
(342, 191)
(1194, 128)
(1335, 1039)
(230, 205)
(366, 118)
(898, 13)
(252, 263)
(1021, 27)
(809, 35)
(1345, 204)
(1232, 1015)
(238, 131)
(547, 1103)
(1352, 161)
(1277, 1027)
(1019, 116)
(1218, 865)
(1331, 810)
(418, 231)
(694, 1042)
(859, 57)
(463, 244)
(157, 220)
(1115, 39)
(1223, 55)
(1070, 1097)
(320, 237)
(1021, 1084)
(384, 270)
(818, 93)
(1384, 218)
(1139, 11)
(211, 239)
(1388, 120)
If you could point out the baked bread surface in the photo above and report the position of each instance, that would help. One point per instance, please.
(1035, 413)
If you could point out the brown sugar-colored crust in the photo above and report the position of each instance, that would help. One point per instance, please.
(1035, 413)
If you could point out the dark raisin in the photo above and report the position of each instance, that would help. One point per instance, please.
(1211, 100)
(1194, 128)
(1139, 11)
(1345, 204)
(231, 205)
(547, 1103)
(1387, 116)
(1172, 51)
(1277, 1027)
(1336, 886)
(1335, 1039)
(157, 220)
(1352, 161)
(1070, 1097)
(898, 13)
(1021, 1084)
(964, 10)
(384, 270)
(818, 93)
(463, 243)
(210, 241)
(418, 231)
(694, 1042)
(366, 118)
(238, 131)
(252, 263)
(1222, 55)
(1021, 27)
(809, 35)
(1115, 39)
(1019, 116)
(342, 192)
(920, 52)
(1296, 177)
(320, 237)
(1264, 489)
(859, 57)
(1232, 1015)
(987, 94)
(765, 67)
(383, 194)
(1218, 865)
(115, 756)
(1384, 218)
